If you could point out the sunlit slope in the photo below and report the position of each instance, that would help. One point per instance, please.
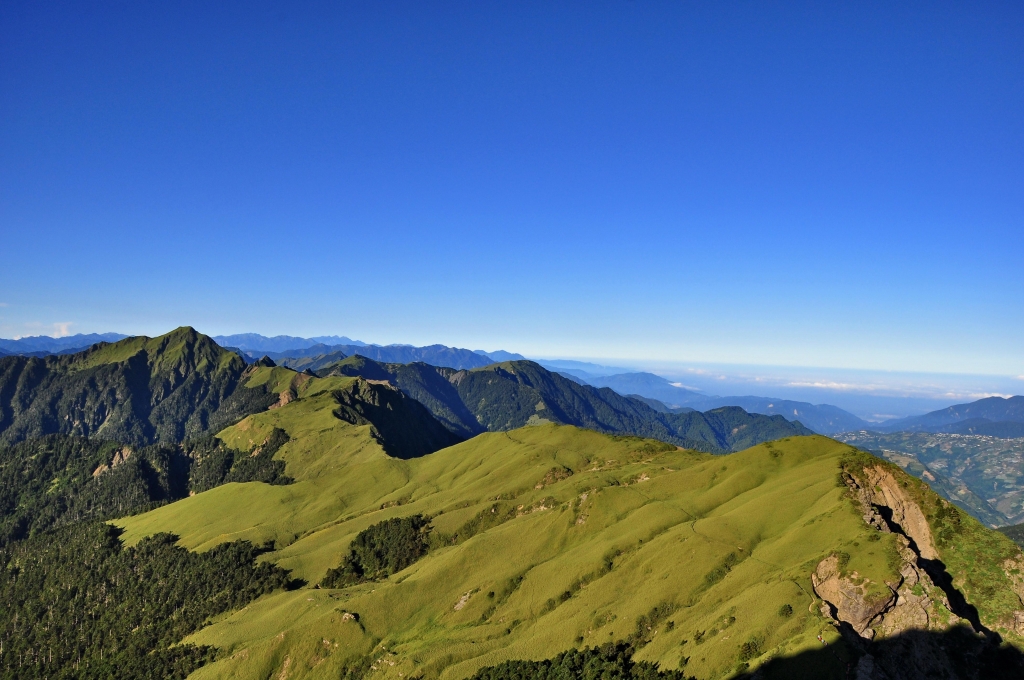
(576, 560)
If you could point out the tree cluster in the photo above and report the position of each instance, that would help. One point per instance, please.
(381, 550)
(612, 661)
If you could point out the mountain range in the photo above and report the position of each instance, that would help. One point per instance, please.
(146, 390)
(994, 416)
(167, 510)
(514, 394)
(255, 342)
(42, 344)
(284, 347)
(136, 391)
(821, 418)
(991, 417)
(316, 356)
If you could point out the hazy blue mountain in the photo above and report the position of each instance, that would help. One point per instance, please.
(993, 409)
(260, 344)
(436, 355)
(313, 363)
(653, 386)
(581, 368)
(660, 406)
(500, 355)
(822, 418)
(33, 345)
(574, 376)
(336, 340)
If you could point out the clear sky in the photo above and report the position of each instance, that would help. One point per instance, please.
(819, 184)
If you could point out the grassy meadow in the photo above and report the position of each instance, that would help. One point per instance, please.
(546, 538)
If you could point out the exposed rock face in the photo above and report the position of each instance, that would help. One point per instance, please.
(913, 598)
(122, 455)
(848, 599)
(883, 491)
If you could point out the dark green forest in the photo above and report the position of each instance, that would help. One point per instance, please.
(380, 550)
(78, 604)
(56, 480)
(612, 661)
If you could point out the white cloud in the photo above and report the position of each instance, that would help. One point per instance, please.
(4, 304)
(831, 385)
(685, 387)
(60, 330)
(976, 395)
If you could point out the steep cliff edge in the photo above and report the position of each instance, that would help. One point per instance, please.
(955, 590)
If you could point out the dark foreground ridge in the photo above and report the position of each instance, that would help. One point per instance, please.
(955, 654)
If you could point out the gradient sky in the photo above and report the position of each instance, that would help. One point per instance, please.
(819, 184)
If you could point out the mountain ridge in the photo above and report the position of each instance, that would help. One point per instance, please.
(137, 391)
(55, 345)
(822, 418)
(512, 394)
(991, 409)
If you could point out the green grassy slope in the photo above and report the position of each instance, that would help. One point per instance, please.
(550, 537)
(136, 391)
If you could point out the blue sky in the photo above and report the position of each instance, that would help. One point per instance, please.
(820, 184)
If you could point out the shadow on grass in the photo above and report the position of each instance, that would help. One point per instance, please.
(957, 653)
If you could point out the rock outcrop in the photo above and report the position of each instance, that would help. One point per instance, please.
(913, 600)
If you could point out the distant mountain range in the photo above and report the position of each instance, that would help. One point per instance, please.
(313, 353)
(992, 416)
(255, 342)
(41, 345)
(318, 356)
(182, 385)
(822, 418)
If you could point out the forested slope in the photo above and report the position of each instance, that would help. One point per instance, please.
(136, 391)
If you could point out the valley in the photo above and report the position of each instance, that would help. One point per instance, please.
(982, 474)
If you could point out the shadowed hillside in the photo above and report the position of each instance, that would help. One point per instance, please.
(402, 426)
(517, 393)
